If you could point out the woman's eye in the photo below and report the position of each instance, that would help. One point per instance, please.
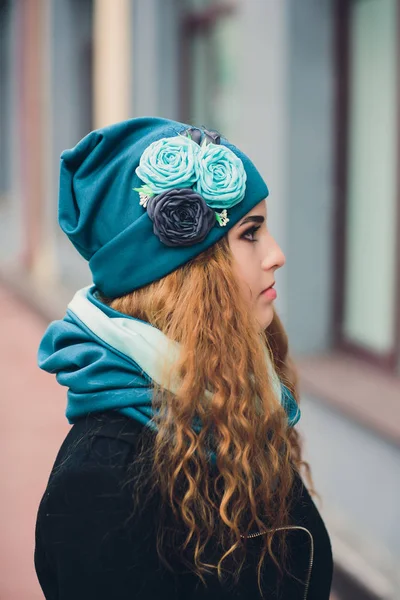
(249, 234)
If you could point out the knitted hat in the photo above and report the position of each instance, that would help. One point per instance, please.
(140, 198)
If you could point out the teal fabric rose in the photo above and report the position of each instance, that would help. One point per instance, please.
(169, 163)
(221, 177)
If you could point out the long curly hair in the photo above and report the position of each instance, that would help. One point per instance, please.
(224, 382)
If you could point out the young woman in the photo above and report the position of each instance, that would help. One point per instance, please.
(180, 477)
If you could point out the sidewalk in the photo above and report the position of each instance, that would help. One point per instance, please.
(32, 426)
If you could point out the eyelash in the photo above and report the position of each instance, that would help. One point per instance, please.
(251, 231)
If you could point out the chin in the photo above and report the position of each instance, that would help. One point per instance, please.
(266, 318)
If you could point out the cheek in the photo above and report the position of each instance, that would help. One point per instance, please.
(247, 268)
(239, 273)
(248, 280)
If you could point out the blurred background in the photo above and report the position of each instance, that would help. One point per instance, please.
(310, 90)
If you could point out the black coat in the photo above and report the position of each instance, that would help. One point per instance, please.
(87, 550)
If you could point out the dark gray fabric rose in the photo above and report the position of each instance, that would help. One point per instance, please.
(193, 133)
(180, 217)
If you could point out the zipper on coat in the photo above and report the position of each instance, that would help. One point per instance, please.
(259, 533)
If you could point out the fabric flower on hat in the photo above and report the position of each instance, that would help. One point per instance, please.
(180, 217)
(168, 163)
(221, 177)
(209, 174)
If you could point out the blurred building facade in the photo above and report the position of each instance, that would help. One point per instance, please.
(310, 90)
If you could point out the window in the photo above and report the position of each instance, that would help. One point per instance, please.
(209, 61)
(369, 286)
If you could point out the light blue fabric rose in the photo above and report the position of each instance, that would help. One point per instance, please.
(169, 163)
(221, 176)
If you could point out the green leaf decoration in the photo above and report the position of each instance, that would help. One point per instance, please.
(218, 218)
(145, 189)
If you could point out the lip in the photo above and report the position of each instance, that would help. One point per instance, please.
(268, 288)
(269, 292)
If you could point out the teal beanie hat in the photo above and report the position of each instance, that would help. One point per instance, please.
(140, 198)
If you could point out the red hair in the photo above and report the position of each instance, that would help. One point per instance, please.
(200, 306)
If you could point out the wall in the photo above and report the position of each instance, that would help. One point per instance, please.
(357, 475)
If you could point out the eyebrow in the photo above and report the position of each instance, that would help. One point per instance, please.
(253, 218)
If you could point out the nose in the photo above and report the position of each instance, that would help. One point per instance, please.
(274, 257)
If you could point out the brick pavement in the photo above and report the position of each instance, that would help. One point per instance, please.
(32, 426)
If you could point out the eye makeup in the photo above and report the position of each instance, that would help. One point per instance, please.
(250, 232)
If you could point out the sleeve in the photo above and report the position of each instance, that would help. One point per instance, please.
(95, 550)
